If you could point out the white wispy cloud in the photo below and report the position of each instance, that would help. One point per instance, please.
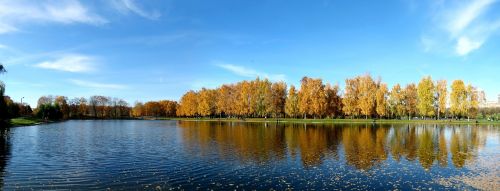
(126, 6)
(466, 45)
(248, 72)
(462, 17)
(467, 24)
(70, 63)
(18, 12)
(91, 84)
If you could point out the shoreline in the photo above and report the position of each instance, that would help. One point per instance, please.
(330, 121)
(29, 121)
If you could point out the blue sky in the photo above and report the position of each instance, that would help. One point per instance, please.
(152, 50)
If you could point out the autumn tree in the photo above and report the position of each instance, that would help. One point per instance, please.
(441, 97)
(396, 101)
(458, 98)
(333, 101)
(426, 99)
(260, 97)
(207, 102)
(278, 98)
(367, 90)
(292, 103)
(243, 103)
(138, 109)
(351, 97)
(99, 104)
(472, 102)
(62, 101)
(188, 105)
(82, 106)
(410, 100)
(73, 108)
(312, 97)
(123, 109)
(224, 100)
(152, 108)
(168, 107)
(381, 100)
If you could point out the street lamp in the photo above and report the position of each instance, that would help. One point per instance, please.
(22, 100)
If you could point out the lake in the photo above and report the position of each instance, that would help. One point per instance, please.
(190, 155)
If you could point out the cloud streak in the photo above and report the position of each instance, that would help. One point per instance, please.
(126, 6)
(17, 12)
(70, 63)
(91, 84)
(466, 25)
(248, 72)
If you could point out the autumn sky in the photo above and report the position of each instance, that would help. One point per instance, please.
(152, 50)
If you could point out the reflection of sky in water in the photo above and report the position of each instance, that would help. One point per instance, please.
(205, 155)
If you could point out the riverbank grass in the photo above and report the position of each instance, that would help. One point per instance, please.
(24, 121)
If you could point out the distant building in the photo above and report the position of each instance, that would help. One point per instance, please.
(484, 104)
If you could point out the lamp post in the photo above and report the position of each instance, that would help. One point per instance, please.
(22, 100)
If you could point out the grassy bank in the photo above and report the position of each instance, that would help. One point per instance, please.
(25, 121)
(380, 121)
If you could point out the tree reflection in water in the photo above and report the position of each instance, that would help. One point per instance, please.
(5, 151)
(363, 145)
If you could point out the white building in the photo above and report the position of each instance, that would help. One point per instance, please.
(483, 103)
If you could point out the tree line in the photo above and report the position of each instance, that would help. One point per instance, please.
(362, 97)
(100, 107)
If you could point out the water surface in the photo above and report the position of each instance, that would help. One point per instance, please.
(232, 155)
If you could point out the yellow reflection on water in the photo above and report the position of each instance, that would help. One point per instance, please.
(363, 145)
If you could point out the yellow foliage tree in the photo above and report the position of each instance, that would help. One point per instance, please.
(206, 102)
(441, 95)
(367, 89)
(458, 98)
(351, 97)
(333, 101)
(292, 103)
(410, 100)
(396, 101)
(278, 98)
(472, 102)
(312, 97)
(381, 98)
(188, 105)
(426, 99)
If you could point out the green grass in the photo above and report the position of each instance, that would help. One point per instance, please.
(24, 121)
(380, 121)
